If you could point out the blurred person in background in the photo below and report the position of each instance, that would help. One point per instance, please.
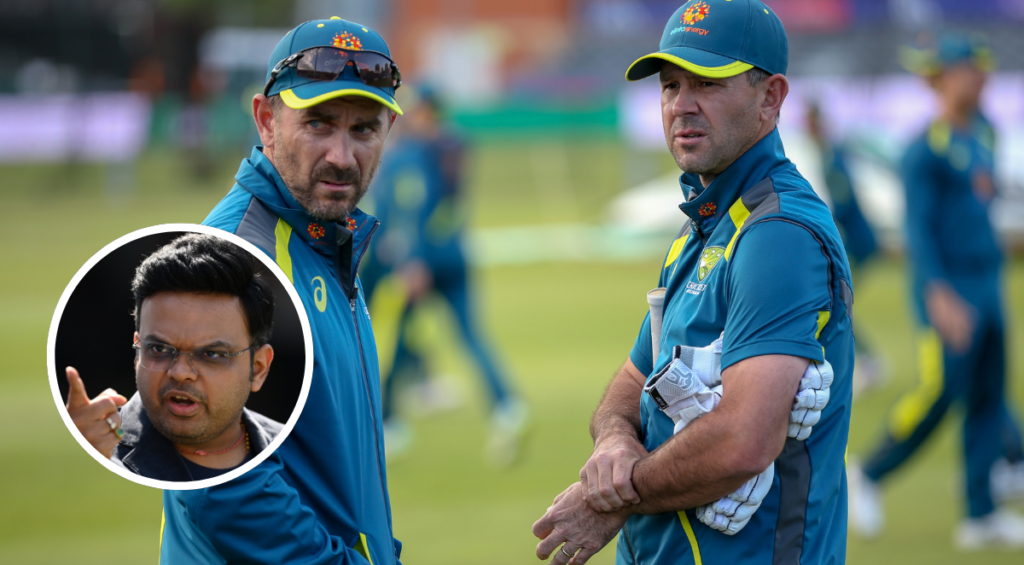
(858, 238)
(198, 300)
(323, 117)
(419, 198)
(760, 259)
(955, 262)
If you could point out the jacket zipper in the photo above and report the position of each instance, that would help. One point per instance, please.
(369, 397)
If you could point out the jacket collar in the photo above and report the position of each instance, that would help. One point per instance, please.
(258, 175)
(146, 452)
(707, 206)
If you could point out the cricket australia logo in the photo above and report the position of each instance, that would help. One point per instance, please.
(708, 260)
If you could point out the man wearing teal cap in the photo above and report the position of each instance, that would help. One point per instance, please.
(955, 262)
(759, 262)
(323, 118)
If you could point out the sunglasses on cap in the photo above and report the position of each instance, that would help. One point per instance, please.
(327, 63)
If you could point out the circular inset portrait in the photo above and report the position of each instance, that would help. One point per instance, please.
(180, 356)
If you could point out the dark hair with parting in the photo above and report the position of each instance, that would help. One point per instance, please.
(207, 264)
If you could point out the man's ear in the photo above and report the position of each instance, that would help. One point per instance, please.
(776, 89)
(263, 113)
(261, 359)
(138, 354)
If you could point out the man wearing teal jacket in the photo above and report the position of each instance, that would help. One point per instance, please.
(322, 497)
(760, 259)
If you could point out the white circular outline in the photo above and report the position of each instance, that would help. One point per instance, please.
(307, 334)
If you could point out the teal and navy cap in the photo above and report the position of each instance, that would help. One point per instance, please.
(719, 39)
(299, 92)
(929, 57)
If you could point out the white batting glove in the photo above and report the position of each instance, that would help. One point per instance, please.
(705, 362)
(680, 393)
(730, 514)
(811, 399)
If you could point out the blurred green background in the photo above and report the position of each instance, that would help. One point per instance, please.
(116, 115)
(563, 328)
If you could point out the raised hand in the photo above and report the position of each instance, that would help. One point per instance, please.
(96, 419)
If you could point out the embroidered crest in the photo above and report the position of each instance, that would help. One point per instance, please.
(695, 13)
(348, 41)
(350, 224)
(316, 231)
(708, 209)
(708, 260)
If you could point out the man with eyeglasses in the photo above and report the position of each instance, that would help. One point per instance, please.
(323, 118)
(203, 319)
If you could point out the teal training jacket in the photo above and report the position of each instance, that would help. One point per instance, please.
(322, 497)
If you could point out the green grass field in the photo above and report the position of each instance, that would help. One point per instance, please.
(562, 329)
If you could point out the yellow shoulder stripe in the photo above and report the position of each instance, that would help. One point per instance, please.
(739, 214)
(676, 249)
(282, 233)
(823, 318)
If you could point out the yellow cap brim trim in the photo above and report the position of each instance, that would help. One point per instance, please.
(296, 103)
(725, 71)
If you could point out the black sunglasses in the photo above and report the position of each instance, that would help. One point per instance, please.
(327, 63)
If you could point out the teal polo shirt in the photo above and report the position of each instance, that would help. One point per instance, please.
(759, 258)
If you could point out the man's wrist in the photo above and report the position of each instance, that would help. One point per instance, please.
(616, 433)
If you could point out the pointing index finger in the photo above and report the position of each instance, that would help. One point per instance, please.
(77, 397)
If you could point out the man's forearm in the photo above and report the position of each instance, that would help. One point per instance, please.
(619, 410)
(717, 454)
(696, 466)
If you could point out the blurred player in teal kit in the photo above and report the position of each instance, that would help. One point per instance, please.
(419, 200)
(858, 238)
(955, 262)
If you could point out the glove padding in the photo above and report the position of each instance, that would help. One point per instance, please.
(690, 386)
(706, 363)
(680, 393)
(811, 399)
(730, 514)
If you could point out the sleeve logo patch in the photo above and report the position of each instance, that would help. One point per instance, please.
(708, 260)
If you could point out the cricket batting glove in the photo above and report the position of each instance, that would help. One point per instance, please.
(705, 362)
(810, 400)
(730, 514)
(679, 392)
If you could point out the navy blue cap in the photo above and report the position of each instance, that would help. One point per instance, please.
(929, 57)
(299, 92)
(718, 39)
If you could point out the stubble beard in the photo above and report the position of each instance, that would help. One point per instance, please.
(723, 147)
(328, 208)
(194, 431)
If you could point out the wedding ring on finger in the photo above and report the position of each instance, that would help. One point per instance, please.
(566, 553)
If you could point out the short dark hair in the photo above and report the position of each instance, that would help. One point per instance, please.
(207, 264)
(757, 75)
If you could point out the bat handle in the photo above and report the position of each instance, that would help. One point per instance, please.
(656, 300)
